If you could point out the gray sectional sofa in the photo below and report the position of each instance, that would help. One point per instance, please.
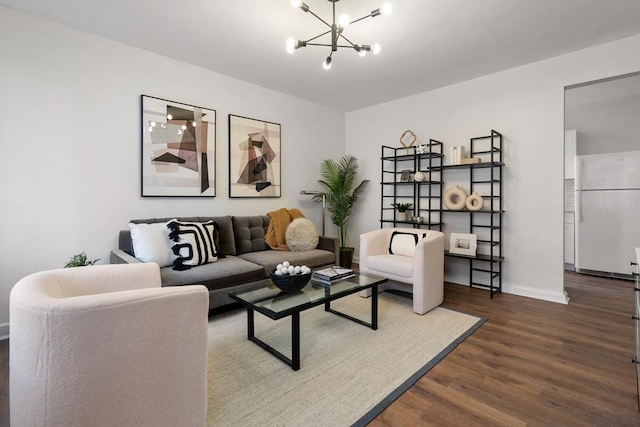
(247, 256)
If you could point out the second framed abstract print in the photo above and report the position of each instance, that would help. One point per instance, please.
(254, 158)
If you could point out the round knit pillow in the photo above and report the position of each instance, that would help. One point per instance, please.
(301, 235)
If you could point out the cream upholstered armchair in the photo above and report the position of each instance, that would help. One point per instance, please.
(106, 345)
(412, 259)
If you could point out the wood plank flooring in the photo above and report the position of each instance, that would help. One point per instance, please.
(533, 363)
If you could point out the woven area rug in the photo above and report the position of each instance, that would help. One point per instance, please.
(348, 372)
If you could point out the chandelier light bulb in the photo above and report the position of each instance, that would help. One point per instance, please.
(291, 45)
(385, 9)
(296, 3)
(362, 52)
(327, 63)
(343, 21)
(375, 49)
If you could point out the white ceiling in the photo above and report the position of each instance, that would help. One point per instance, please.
(426, 44)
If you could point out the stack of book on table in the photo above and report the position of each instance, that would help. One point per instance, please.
(327, 276)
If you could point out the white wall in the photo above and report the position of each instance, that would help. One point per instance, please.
(526, 105)
(70, 143)
(610, 126)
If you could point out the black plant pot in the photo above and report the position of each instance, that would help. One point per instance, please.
(346, 257)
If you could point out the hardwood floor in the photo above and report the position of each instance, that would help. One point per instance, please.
(532, 363)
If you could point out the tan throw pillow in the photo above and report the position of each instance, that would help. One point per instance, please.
(301, 235)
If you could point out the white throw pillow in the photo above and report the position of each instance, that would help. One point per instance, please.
(404, 243)
(301, 235)
(151, 243)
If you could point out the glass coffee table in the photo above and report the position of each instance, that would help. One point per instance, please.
(267, 299)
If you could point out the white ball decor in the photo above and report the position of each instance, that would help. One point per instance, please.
(290, 278)
(455, 198)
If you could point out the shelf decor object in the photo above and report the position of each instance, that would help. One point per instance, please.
(408, 138)
(455, 198)
(484, 210)
(474, 202)
(178, 149)
(254, 158)
(463, 244)
(336, 30)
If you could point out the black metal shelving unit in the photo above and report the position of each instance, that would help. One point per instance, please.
(420, 194)
(486, 178)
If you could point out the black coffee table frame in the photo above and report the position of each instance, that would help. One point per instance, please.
(295, 311)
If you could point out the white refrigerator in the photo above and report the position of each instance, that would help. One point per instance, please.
(607, 200)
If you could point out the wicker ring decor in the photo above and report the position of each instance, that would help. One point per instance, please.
(455, 198)
(474, 202)
(410, 140)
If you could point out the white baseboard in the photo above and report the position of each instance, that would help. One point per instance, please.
(4, 331)
(523, 291)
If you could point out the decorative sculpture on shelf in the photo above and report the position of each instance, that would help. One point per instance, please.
(408, 138)
(455, 198)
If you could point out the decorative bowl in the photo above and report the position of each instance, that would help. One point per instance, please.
(290, 282)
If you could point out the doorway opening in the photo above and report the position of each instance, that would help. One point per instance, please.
(602, 176)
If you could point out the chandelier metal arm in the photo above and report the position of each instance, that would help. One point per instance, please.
(360, 19)
(328, 45)
(320, 35)
(320, 19)
(346, 39)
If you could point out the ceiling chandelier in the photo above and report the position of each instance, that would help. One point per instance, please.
(336, 30)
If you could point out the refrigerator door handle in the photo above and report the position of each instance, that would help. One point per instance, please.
(578, 173)
(579, 206)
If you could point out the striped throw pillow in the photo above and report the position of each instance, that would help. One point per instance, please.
(195, 243)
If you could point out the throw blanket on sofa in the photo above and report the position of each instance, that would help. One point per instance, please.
(278, 224)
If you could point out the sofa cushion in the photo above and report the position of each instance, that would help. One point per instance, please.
(195, 243)
(403, 243)
(151, 243)
(226, 272)
(270, 259)
(301, 235)
(249, 232)
(397, 265)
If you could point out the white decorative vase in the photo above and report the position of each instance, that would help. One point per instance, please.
(402, 216)
(474, 202)
(419, 176)
(455, 198)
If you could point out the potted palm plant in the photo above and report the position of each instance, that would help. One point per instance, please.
(342, 193)
(402, 210)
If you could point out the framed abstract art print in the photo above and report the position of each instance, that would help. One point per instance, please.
(254, 158)
(178, 149)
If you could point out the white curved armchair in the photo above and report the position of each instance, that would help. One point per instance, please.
(422, 274)
(106, 345)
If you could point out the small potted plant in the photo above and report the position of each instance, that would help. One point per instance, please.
(80, 260)
(402, 210)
